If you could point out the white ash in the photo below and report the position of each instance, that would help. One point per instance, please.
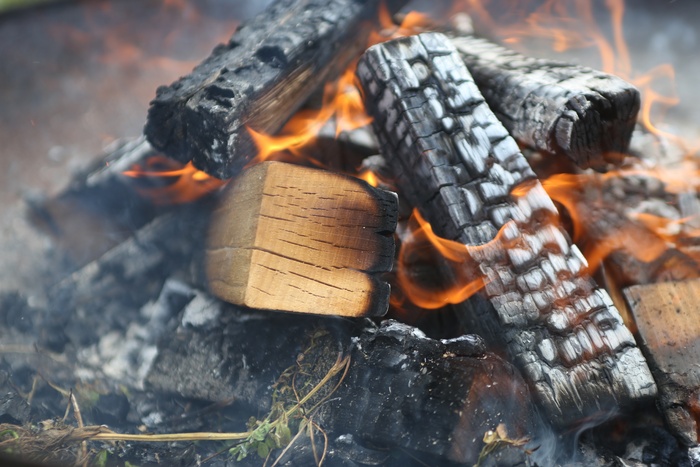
(201, 311)
(694, 456)
(127, 357)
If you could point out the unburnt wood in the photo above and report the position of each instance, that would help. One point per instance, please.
(266, 71)
(560, 108)
(292, 238)
(455, 161)
(668, 322)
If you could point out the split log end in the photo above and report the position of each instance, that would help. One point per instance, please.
(304, 240)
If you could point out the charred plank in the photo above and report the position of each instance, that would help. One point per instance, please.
(569, 110)
(257, 80)
(456, 163)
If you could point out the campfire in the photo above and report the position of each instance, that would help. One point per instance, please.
(356, 234)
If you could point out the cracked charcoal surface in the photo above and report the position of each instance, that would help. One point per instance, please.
(258, 79)
(431, 396)
(455, 161)
(559, 108)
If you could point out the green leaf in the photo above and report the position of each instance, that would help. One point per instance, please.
(263, 450)
(101, 458)
(261, 432)
(284, 434)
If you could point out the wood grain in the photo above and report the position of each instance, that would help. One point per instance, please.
(668, 322)
(298, 239)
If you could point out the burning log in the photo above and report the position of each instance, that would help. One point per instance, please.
(456, 163)
(306, 240)
(559, 108)
(667, 321)
(257, 80)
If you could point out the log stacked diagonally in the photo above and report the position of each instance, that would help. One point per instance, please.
(454, 161)
(559, 108)
(266, 71)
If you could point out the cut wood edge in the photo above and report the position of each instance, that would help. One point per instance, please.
(297, 239)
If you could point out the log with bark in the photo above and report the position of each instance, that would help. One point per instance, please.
(668, 323)
(300, 239)
(574, 111)
(456, 163)
(266, 71)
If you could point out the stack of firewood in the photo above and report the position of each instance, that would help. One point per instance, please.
(449, 112)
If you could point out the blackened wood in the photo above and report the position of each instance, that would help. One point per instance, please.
(106, 294)
(455, 161)
(431, 396)
(668, 322)
(402, 390)
(100, 208)
(565, 109)
(266, 71)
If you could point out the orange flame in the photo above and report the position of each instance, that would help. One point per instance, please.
(643, 236)
(341, 99)
(188, 183)
(568, 24)
(467, 279)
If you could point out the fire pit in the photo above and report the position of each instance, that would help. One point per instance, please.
(224, 288)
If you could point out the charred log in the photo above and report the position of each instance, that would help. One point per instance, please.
(430, 396)
(453, 159)
(402, 391)
(100, 208)
(573, 111)
(257, 80)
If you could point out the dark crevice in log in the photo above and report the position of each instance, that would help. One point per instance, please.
(561, 330)
(267, 70)
(574, 111)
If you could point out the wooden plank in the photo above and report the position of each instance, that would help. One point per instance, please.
(266, 71)
(668, 322)
(291, 238)
(560, 108)
(454, 161)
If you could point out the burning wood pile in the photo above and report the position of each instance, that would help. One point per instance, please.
(528, 348)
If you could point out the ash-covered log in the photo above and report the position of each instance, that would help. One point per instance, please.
(668, 323)
(100, 208)
(402, 391)
(301, 239)
(559, 108)
(456, 163)
(266, 71)
(431, 396)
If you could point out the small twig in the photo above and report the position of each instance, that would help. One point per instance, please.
(30, 396)
(79, 419)
(319, 463)
(288, 446)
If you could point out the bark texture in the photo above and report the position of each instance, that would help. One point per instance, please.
(564, 109)
(455, 161)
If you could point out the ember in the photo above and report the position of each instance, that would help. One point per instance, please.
(546, 217)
